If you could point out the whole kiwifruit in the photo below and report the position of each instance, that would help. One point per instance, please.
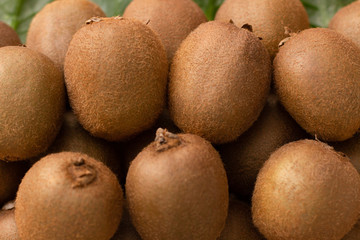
(219, 80)
(347, 21)
(32, 102)
(116, 75)
(351, 148)
(68, 196)
(8, 229)
(172, 20)
(239, 225)
(320, 92)
(176, 188)
(244, 158)
(270, 19)
(8, 36)
(303, 191)
(52, 28)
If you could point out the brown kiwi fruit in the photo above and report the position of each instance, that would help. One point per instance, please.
(32, 103)
(351, 148)
(52, 28)
(8, 229)
(244, 158)
(172, 20)
(239, 225)
(68, 196)
(219, 80)
(8, 36)
(126, 230)
(320, 92)
(347, 22)
(269, 18)
(176, 188)
(116, 75)
(305, 189)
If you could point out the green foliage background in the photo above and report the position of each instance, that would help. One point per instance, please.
(18, 13)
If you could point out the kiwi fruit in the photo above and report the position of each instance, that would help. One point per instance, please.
(305, 189)
(68, 196)
(171, 20)
(52, 28)
(269, 18)
(351, 148)
(176, 188)
(219, 80)
(32, 103)
(126, 230)
(8, 229)
(244, 158)
(116, 75)
(239, 225)
(8, 36)
(347, 22)
(320, 92)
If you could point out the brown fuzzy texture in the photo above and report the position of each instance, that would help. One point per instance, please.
(306, 190)
(11, 174)
(244, 158)
(8, 36)
(116, 75)
(219, 80)
(239, 225)
(347, 22)
(32, 103)
(354, 234)
(320, 92)
(267, 17)
(126, 230)
(178, 190)
(351, 148)
(173, 20)
(61, 199)
(8, 229)
(52, 28)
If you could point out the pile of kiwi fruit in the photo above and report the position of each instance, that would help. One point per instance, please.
(161, 124)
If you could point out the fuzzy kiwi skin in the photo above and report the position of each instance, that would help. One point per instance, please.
(176, 188)
(52, 28)
(68, 196)
(244, 158)
(320, 92)
(8, 36)
(305, 189)
(8, 229)
(269, 18)
(172, 20)
(219, 80)
(347, 22)
(351, 148)
(32, 103)
(126, 230)
(354, 234)
(116, 75)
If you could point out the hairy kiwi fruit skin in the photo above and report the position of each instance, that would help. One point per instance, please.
(269, 18)
(244, 158)
(320, 92)
(32, 103)
(8, 229)
(116, 75)
(171, 20)
(347, 22)
(126, 230)
(219, 80)
(305, 189)
(176, 188)
(8, 36)
(351, 148)
(68, 196)
(354, 234)
(52, 28)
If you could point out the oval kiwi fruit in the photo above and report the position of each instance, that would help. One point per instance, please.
(68, 196)
(219, 80)
(52, 28)
(8, 229)
(116, 75)
(32, 102)
(347, 22)
(8, 36)
(172, 20)
(305, 189)
(176, 188)
(269, 18)
(320, 92)
(244, 158)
